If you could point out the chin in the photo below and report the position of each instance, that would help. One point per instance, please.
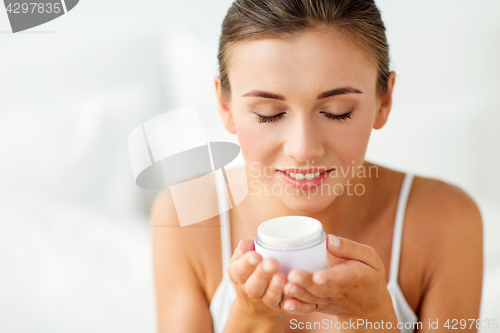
(305, 203)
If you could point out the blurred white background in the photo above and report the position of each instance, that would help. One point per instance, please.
(75, 246)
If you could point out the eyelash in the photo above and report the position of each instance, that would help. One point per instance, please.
(341, 117)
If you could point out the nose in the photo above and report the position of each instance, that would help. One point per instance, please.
(304, 141)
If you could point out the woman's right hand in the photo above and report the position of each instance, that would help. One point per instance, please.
(258, 282)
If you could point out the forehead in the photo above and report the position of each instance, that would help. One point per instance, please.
(311, 60)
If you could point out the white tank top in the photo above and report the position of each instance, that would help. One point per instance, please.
(226, 293)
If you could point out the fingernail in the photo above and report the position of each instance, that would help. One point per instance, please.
(335, 241)
(240, 243)
(291, 307)
(268, 266)
(276, 281)
(252, 260)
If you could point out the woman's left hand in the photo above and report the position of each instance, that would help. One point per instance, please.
(352, 288)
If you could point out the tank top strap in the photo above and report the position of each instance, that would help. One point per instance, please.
(225, 228)
(398, 227)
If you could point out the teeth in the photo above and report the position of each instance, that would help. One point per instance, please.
(301, 176)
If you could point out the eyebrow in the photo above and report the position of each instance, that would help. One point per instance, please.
(329, 93)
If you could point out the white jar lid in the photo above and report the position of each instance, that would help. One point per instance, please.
(289, 232)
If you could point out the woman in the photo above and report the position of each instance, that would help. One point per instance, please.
(302, 83)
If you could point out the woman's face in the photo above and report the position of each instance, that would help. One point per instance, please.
(302, 80)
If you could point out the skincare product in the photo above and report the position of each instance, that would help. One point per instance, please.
(294, 241)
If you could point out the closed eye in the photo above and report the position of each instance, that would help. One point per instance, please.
(262, 119)
(341, 117)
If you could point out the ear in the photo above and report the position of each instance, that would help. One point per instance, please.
(384, 104)
(224, 104)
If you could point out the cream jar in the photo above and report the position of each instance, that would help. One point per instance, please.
(294, 241)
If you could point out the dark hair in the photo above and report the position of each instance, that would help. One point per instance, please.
(357, 20)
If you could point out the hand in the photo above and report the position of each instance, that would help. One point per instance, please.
(352, 288)
(258, 282)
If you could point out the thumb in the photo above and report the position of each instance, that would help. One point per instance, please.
(243, 247)
(246, 245)
(344, 248)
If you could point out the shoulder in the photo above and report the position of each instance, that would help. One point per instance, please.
(448, 217)
(178, 274)
(170, 203)
(446, 207)
(183, 261)
(441, 219)
(443, 244)
(194, 246)
(432, 202)
(447, 233)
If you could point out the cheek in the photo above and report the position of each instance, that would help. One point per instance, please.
(249, 144)
(350, 141)
(257, 142)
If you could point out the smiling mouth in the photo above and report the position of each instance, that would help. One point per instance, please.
(305, 176)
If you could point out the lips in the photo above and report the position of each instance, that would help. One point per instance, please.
(303, 170)
(305, 184)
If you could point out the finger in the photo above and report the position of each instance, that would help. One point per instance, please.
(340, 276)
(344, 248)
(274, 292)
(239, 270)
(293, 305)
(246, 245)
(243, 247)
(258, 281)
(296, 291)
(308, 290)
